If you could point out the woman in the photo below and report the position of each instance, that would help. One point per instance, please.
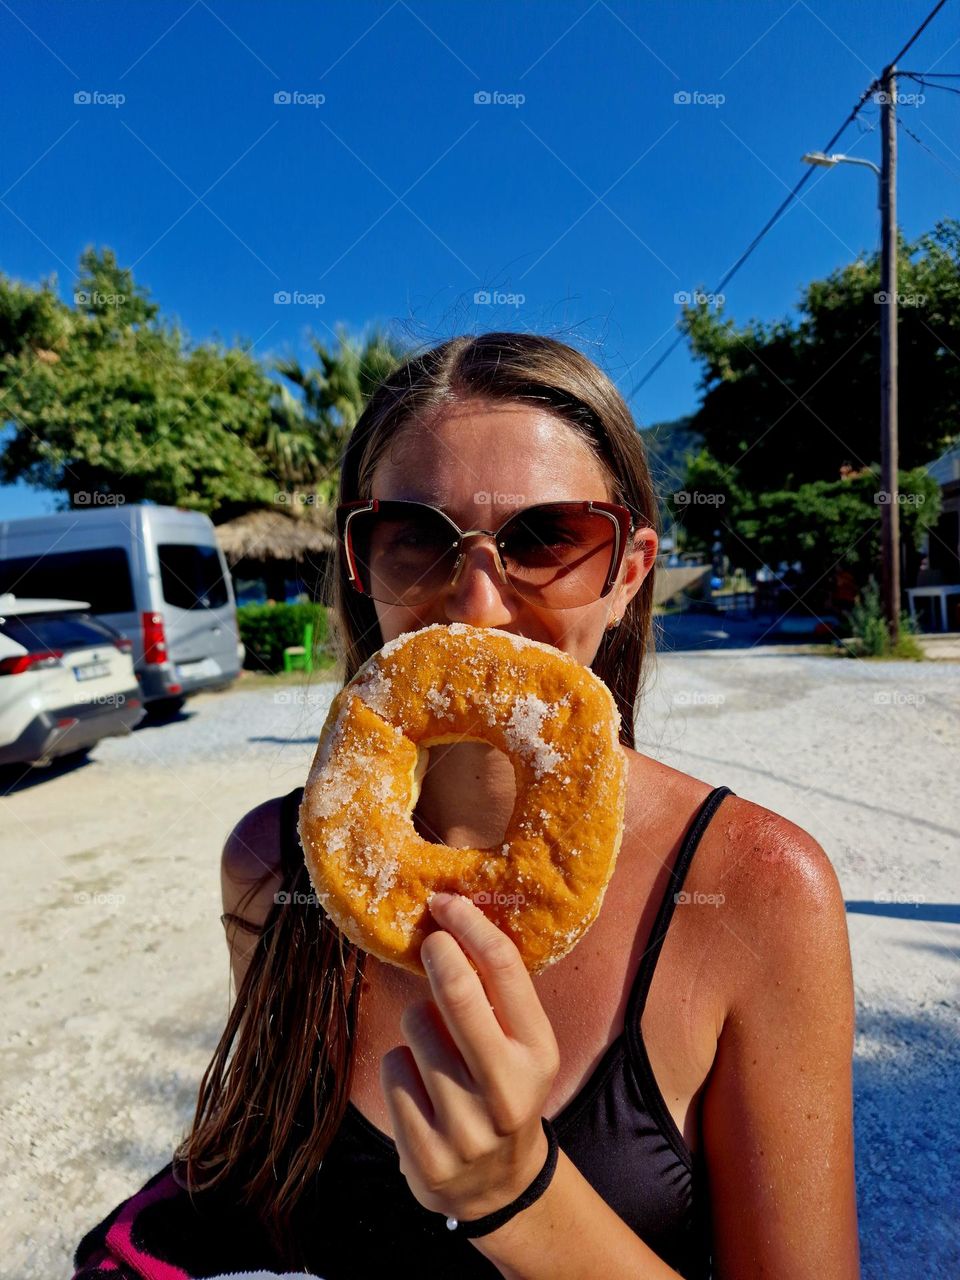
(693, 1051)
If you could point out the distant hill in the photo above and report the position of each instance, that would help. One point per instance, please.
(667, 444)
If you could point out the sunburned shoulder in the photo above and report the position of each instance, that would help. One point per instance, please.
(771, 882)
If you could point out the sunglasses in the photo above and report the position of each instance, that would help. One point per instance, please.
(556, 554)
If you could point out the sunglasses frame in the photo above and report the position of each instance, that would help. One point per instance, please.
(619, 516)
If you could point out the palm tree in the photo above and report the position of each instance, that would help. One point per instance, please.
(311, 430)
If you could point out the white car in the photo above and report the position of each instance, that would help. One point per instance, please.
(66, 680)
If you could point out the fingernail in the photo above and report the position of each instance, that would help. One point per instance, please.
(439, 900)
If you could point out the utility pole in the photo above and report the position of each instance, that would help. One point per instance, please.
(890, 506)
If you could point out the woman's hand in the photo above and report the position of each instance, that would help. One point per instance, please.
(465, 1098)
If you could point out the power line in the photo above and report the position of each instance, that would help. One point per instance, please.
(729, 274)
(927, 84)
(913, 39)
(920, 142)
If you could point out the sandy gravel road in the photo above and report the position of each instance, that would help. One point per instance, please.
(115, 969)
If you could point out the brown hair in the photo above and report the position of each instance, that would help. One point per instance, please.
(265, 1117)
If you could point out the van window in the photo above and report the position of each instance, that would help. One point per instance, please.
(100, 575)
(191, 577)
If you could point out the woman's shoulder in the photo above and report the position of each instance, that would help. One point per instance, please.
(759, 868)
(258, 842)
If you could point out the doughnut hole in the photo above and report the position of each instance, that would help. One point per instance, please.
(474, 760)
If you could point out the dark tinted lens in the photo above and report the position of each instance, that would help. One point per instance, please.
(559, 555)
(403, 554)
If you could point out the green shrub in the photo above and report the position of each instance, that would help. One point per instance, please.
(267, 629)
(869, 626)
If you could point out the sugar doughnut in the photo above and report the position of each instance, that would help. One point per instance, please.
(559, 725)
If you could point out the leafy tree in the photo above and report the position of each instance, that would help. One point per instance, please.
(104, 397)
(788, 403)
(331, 397)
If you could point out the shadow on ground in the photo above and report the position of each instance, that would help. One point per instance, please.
(908, 1138)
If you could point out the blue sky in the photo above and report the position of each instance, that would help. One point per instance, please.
(597, 197)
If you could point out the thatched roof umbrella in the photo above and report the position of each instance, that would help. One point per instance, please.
(276, 535)
(276, 545)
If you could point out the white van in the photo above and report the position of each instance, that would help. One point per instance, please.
(156, 574)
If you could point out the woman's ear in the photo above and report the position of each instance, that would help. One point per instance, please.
(639, 559)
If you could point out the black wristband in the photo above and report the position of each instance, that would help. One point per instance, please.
(491, 1221)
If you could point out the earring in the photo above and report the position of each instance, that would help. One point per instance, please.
(615, 623)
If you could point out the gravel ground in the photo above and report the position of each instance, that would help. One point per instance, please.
(117, 976)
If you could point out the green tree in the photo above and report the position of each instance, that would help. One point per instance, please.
(104, 396)
(330, 398)
(788, 403)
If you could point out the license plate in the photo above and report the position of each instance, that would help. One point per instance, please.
(92, 670)
(199, 670)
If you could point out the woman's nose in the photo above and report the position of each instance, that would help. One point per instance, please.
(476, 594)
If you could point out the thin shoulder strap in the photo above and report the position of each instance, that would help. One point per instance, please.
(290, 847)
(648, 962)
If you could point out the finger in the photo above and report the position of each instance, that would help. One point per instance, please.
(465, 1007)
(411, 1111)
(504, 976)
(443, 1072)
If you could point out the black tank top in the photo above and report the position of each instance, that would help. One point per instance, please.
(617, 1130)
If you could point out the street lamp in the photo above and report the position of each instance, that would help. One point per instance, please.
(889, 411)
(824, 161)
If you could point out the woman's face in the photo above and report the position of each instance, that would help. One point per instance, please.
(480, 462)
